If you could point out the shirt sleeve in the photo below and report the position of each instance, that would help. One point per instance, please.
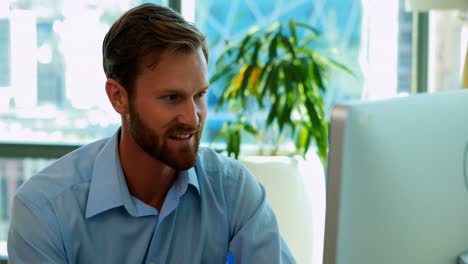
(254, 228)
(34, 235)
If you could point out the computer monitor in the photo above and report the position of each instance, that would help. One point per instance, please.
(397, 181)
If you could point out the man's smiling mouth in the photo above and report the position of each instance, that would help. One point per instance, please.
(181, 136)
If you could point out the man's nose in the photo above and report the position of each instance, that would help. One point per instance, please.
(189, 114)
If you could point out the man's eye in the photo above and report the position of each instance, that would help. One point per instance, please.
(171, 97)
(200, 94)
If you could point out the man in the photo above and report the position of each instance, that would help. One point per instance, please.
(148, 194)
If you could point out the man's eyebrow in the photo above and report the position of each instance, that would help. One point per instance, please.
(180, 91)
(171, 90)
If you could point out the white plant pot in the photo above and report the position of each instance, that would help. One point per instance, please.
(296, 191)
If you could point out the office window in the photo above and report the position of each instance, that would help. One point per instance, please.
(4, 53)
(448, 38)
(51, 77)
(62, 100)
(339, 22)
(405, 40)
(51, 81)
(50, 66)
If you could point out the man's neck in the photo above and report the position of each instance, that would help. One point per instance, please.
(148, 179)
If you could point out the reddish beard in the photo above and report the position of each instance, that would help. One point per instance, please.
(157, 147)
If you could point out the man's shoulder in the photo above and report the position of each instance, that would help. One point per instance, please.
(219, 167)
(72, 169)
(214, 161)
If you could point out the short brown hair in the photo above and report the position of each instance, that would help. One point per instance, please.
(145, 32)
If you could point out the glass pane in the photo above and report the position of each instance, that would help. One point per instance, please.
(351, 33)
(448, 38)
(51, 76)
(405, 29)
(339, 24)
(338, 21)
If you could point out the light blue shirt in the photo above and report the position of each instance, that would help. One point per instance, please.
(79, 210)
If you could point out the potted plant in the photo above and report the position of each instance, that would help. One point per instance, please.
(275, 81)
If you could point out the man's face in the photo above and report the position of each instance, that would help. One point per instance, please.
(168, 108)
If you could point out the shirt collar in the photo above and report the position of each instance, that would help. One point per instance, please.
(104, 190)
(185, 178)
(108, 188)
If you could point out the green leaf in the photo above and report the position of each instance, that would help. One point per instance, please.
(273, 27)
(288, 45)
(314, 117)
(221, 133)
(319, 79)
(229, 142)
(220, 74)
(285, 115)
(253, 30)
(289, 74)
(266, 69)
(223, 98)
(323, 148)
(272, 48)
(280, 111)
(236, 143)
(270, 88)
(254, 58)
(341, 67)
(227, 93)
(319, 126)
(226, 54)
(292, 30)
(301, 139)
(243, 87)
(314, 31)
(250, 129)
(301, 68)
(243, 46)
(307, 143)
(296, 67)
(275, 83)
(318, 76)
(291, 71)
(272, 113)
(266, 75)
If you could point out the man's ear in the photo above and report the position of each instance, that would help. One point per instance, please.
(117, 95)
